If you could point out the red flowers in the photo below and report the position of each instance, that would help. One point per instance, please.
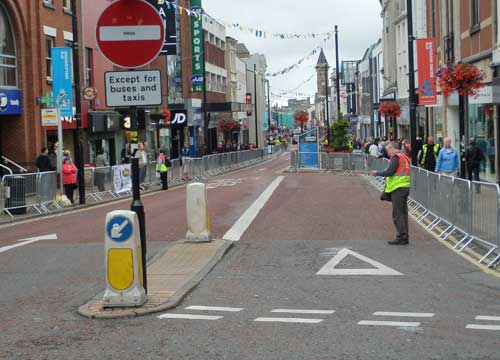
(229, 125)
(463, 78)
(390, 109)
(301, 118)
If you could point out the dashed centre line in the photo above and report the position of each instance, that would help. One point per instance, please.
(189, 317)
(214, 308)
(483, 327)
(389, 323)
(488, 318)
(289, 320)
(403, 314)
(298, 311)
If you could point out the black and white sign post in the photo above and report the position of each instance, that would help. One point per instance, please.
(131, 34)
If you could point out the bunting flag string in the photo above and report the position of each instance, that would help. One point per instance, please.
(295, 89)
(279, 35)
(182, 10)
(294, 66)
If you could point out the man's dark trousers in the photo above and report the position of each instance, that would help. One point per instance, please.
(399, 199)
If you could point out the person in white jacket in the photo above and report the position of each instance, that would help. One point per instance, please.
(373, 149)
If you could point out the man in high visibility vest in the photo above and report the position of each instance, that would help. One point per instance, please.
(162, 165)
(429, 154)
(397, 188)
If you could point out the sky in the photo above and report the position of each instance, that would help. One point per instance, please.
(359, 21)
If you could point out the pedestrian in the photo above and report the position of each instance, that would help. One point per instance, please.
(383, 151)
(43, 161)
(69, 171)
(473, 158)
(428, 155)
(162, 165)
(373, 149)
(143, 161)
(447, 161)
(406, 147)
(100, 170)
(397, 188)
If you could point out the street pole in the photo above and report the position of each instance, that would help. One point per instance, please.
(256, 106)
(138, 208)
(327, 106)
(78, 104)
(206, 121)
(411, 75)
(268, 106)
(337, 70)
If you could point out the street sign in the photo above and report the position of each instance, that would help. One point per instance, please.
(133, 88)
(119, 229)
(130, 33)
(49, 117)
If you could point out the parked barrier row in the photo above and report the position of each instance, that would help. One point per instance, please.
(37, 192)
(470, 211)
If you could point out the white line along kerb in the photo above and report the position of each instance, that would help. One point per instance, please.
(130, 33)
(239, 228)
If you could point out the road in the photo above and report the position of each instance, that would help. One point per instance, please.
(265, 299)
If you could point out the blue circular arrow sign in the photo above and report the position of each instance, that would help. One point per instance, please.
(119, 229)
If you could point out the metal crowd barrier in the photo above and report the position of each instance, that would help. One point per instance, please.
(38, 191)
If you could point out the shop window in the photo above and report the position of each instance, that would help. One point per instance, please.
(481, 127)
(49, 44)
(8, 60)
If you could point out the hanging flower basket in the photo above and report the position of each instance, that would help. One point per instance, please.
(466, 79)
(229, 125)
(390, 109)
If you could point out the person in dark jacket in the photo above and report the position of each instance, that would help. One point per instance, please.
(43, 161)
(428, 155)
(473, 158)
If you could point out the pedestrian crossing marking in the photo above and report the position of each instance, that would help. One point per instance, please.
(483, 327)
(214, 308)
(389, 323)
(298, 311)
(379, 269)
(189, 317)
(289, 320)
(403, 314)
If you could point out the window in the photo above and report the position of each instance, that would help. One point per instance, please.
(49, 4)
(49, 44)
(88, 67)
(474, 15)
(8, 61)
(67, 5)
(433, 17)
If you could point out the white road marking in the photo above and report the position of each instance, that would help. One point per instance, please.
(242, 224)
(28, 241)
(189, 317)
(483, 327)
(298, 311)
(488, 318)
(289, 320)
(214, 308)
(379, 268)
(403, 314)
(389, 323)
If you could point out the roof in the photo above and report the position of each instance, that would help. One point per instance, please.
(322, 58)
(242, 49)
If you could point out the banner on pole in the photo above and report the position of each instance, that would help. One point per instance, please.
(62, 80)
(122, 178)
(427, 91)
(197, 46)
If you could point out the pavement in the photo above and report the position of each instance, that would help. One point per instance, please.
(309, 276)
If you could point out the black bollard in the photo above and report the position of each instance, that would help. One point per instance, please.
(138, 208)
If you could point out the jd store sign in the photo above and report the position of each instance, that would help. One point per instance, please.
(179, 119)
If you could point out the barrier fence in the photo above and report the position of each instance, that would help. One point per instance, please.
(449, 206)
(37, 192)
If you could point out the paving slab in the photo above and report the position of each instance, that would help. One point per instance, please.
(171, 276)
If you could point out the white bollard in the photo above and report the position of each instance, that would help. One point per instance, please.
(123, 261)
(198, 220)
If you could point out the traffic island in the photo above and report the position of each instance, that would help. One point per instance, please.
(172, 275)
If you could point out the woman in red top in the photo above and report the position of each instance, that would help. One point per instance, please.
(69, 171)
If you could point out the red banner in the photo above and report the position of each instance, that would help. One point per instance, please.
(426, 55)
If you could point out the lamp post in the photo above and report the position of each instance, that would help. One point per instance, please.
(268, 106)
(78, 105)
(327, 95)
(337, 70)
(256, 106)
(411, 76)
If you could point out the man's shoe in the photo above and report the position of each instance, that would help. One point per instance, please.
(398, 242)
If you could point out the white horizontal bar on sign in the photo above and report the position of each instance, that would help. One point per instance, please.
(298, 311)
(213, 308)
(488, 318)
(289, 320)
(189, 317)
(483, 327)
(389, 323)
(130, 33)
(403, 314)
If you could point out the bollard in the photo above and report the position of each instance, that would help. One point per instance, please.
(123, 261)
(198, 220)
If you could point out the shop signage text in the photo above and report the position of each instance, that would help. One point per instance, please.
(197, 46)
(167, 14)
(10, 102)
(133, 88)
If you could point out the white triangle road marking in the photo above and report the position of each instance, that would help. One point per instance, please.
(378, 270)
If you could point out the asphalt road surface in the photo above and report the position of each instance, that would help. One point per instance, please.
(265, 299)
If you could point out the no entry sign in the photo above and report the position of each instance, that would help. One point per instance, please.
(130, 33)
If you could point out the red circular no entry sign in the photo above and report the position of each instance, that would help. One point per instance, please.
(130, 33)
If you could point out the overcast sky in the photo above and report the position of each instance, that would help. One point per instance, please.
(359, 24)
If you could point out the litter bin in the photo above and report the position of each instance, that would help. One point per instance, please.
(16, 201)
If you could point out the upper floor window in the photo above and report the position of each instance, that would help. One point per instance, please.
(67, 5)
(8, 59)
(49, 44)
(474, 15)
